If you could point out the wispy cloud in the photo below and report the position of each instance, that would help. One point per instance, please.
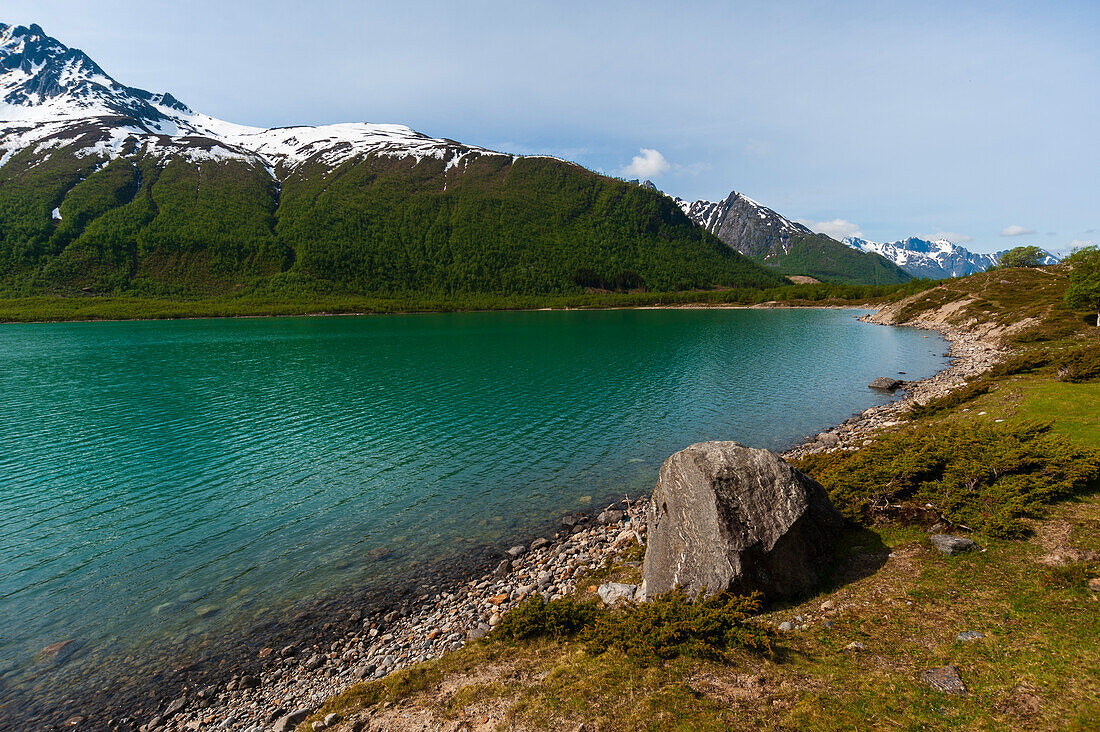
(1079, 243)
(947, 236)
(757, 149)
(692, 169)
(837, 228)
(1016, 230)
(649, 164)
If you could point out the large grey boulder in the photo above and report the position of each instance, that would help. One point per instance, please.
(885, 383)
(726, 517)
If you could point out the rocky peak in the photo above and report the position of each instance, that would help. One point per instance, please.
(42, 77)
(742, 223)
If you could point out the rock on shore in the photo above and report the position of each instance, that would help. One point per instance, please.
(725, 517)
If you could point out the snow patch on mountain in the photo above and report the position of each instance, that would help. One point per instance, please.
(55, 96)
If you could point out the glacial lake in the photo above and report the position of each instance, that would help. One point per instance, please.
(175, 479)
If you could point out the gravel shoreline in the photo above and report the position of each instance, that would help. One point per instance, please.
(295, 680)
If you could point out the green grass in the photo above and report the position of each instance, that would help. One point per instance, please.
(1073, 409)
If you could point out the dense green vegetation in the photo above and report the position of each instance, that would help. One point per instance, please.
(172, 227)
(1084, 280)
(294, 298)
(984, 476)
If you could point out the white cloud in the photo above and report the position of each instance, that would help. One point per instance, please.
(649, 164)
(1016, 230)
(947, 236)
(1079, 244)
(837, 228)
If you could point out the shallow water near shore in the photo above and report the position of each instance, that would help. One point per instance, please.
(171, 480)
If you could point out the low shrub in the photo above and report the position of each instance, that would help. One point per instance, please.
(948, 401)
(1022, 363)
(985, 476)
(666, 627)
(1082, 364)
(537, 618)
(673, 625)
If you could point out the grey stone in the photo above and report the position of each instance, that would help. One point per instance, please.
(248, 682)
(828, 439)
(726, 517)
(945, 679)
(503, 569)
(274, 714)
(613, 592)
(610, 516)
(290, 721)
(545, 580)
(517, 550)
(952, 545)
(175, 707)
(331, 719)
(786, 627)
(885, 383)
(539, 543)
(855, 647)
(969, 635)
(315, 661)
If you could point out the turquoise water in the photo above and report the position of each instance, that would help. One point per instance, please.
(163, 478)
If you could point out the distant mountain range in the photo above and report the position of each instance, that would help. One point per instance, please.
(937, 259)
(109, 188)
(790, 248)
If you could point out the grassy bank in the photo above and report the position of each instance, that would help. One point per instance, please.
(267, 302)
(1016, 457)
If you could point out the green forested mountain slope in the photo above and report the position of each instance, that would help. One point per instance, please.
(201, 224)
(820, 256)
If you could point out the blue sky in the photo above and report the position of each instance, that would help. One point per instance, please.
(976, 119)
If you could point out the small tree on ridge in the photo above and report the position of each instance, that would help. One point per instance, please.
(1021, 257)
(1084, 280)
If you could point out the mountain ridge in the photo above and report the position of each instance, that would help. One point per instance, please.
(109, 188)
(934, 258)
(790, 248)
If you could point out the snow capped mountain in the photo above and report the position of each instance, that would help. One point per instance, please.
(55, 96)
(937, 260)
(749, 227)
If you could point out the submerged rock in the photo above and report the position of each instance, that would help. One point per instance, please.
(57, 653)
(727, 517)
